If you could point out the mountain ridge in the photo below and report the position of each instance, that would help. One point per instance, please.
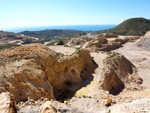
(53, 33)
(132, 26)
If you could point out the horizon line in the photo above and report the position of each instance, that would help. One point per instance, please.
(10, 28)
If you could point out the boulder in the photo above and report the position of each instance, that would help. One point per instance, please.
(47, 107)
(7, 103)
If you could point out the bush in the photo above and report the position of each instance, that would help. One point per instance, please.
(28, 41)
(60, 42)
(112, 54)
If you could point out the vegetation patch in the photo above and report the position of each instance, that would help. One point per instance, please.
(112, 54)
(51, 34)
(8, 46)
(59, 55)
(61, 42)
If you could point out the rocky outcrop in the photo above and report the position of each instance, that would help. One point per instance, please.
(7, 103)
(144, 42)
(112, 45)
(102, 44)
(48, 108)
(97, 43)
(119, 73)
(147, 35)
(32, 71)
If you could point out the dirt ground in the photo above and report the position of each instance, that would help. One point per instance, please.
(63, 50)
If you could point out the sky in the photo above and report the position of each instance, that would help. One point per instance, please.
(31, 13)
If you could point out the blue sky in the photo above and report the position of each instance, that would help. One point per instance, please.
(26, 13)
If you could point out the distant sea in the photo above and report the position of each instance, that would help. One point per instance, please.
(67, 27)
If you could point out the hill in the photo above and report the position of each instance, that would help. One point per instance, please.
(47, 34)
(8, 39)
(133, 26)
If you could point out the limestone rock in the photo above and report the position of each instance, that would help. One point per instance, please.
(7, 103)
(97, 42)
(119, 73)
(32, 71)
(48, 108)
(144, 42)
(147, 35)
(57, 107)
(106, 100)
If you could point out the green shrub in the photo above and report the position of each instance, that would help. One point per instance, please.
(92, 57)
(60, 42)
(112, 54)
(27, 41)
(84, 96)
(77, 48)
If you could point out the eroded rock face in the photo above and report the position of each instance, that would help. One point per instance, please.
(7, 103)
(32, 71)
(97, 42)
(147, 35)
(102, 44)
(22, 73)
(119, 73)
(144, 42)
(114, 44)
